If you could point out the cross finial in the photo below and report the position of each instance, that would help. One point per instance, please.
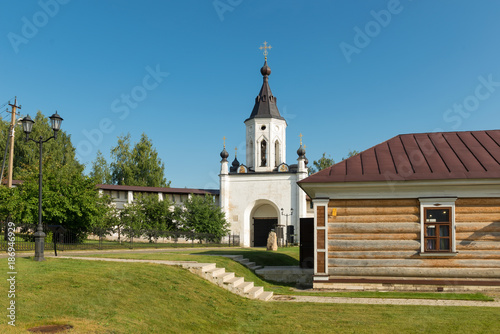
(235, 151)
(300, 139)
(265, 47)
(224, 139)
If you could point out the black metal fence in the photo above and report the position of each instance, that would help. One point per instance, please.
(59, 238)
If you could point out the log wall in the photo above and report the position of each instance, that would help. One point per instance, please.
(381, 239)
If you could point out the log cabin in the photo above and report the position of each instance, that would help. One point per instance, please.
(417, 212)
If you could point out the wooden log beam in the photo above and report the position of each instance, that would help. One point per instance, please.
(375, 236)
(478, 227)
(375, 219)
(477, 201)
(477, 245)
(420, 262)
(373, 228)
(376, 245)
(338, 203)
(374, 254)
(360, 211)
(477, 217)
(478, 236)
(417, 272)
(477, 209)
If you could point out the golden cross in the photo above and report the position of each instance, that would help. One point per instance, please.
(235, 151)
(224, 138)
(300, 139)
(265, 47)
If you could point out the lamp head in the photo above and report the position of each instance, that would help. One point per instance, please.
(55, 121)
(27, 123)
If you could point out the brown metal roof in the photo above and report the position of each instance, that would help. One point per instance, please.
(421, 156)
(158, 189)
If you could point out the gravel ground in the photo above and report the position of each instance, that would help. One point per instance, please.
(384, 301)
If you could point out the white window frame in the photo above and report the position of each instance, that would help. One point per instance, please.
(433, 203)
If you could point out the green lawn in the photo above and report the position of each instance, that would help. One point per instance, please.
(275, 258)
(104, 297)
(283, 257)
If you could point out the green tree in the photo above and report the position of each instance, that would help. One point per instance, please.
(101, 172)
(70, 198)
(351, 154)
(10, 203)
(159, 216)
(109, 221)
(139, 166)
(132, 218)
(58, 152)
(202, 215)
(321, 163)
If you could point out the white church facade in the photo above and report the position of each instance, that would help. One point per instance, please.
(262, 194)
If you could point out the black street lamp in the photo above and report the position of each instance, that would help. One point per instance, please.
(55, 121)
(286, 225)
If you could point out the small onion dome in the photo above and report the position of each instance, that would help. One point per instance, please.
(235, 165)
(224, 154)
(265, 70)
(306, 161)
(301, 152)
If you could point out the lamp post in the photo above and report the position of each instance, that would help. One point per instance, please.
(55, 121)
(286, 224)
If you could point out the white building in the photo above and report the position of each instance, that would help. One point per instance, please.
(259, 196)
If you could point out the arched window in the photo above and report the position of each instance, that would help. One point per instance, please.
(277, 153)
(263, 153)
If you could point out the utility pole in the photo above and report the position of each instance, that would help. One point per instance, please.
(12, 132)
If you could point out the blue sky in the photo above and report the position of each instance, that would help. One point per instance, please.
(347, 74)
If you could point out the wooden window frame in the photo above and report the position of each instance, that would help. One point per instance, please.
(437, 225)
(437, 203)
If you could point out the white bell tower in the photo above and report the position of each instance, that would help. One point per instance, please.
(265, 130)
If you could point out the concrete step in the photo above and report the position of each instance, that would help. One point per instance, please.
(243, 261)
(234, 282)
(254, 292)
(254, 267)
(265, 295)
(214, 272)
(244, 287)
(232, 257)
(200, 266)
(224, 277)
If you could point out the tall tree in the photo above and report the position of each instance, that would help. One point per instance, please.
(321, 163)
(139, 166)
(70, 199)
(202, 215)
(121, 166)
(58, 152)
(101, 172)
(159, 216)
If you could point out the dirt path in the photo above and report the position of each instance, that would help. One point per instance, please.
(384, 301)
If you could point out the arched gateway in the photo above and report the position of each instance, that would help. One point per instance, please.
(264, 218)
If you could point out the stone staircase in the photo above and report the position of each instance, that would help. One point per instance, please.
(244, 261)
(228, 280)
(208, 271)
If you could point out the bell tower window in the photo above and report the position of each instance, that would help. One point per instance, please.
(276, 153)
(263, 153)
